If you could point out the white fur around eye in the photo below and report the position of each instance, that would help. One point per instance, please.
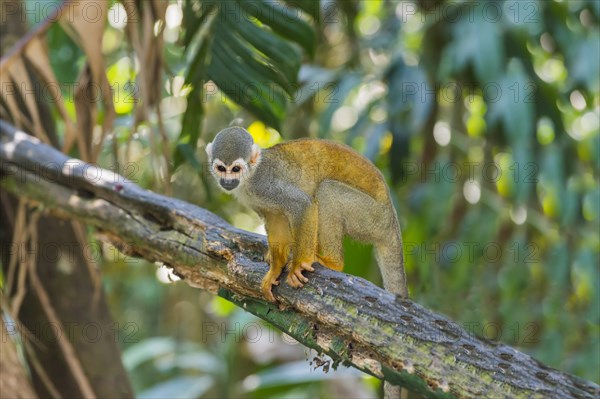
(215, 168)
(242, 165)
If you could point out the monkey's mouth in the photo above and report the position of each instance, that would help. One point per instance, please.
(229, 184)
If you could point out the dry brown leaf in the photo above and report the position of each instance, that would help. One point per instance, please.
(88, 31)
(133, 19)
(10, 100)
(109, 116)
(37, 54)
(85, 108)
(19, 237)
(153, 45)
(133, 25)
(19, 73)
(160, 8)
(148, 47)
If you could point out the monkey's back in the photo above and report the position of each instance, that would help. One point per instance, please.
(326, 160)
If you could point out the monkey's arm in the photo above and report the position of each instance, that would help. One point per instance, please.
(304, 233)
(279, 237)
(291, 222)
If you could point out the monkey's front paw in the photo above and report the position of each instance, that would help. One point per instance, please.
(267, 284)
(295, 278)
(268, 294)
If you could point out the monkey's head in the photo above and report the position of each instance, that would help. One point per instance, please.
(232, 155)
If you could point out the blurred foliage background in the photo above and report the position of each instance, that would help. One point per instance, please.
(483, 116)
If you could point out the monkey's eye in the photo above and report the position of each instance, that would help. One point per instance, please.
(235, 169)
(221, 168)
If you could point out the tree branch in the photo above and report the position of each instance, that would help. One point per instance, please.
(343, 316)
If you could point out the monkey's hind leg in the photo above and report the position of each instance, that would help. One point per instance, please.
(305, 240)
(279, 238)
(332, 211)
(330, 251)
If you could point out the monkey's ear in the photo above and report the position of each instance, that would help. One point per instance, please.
(209, 150)
(255, 156)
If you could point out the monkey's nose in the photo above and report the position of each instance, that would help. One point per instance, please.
(229, 184)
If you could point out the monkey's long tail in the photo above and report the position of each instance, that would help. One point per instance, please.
(391, 260)
(391, 264)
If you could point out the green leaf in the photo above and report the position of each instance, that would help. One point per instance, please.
(192, 118)
(513, 109)
(179, 388)
(342, 88)
(591, 205)
(374, 137)
(190, 129)
(283, 55)
(194, 15)
(146, 350)
(185, 152)
(514, 104)
(199, 360)
(477, 42)
(246, 87)
(311, 7)
(570, 203)
(524, 17)
(583, 61)
(232, 47)
(409, 102)
(557, 266)
(595, 6)
(299, 372)
(314, 78)
(410, 96)
(283, 22)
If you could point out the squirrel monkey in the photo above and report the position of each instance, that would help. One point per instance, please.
(310, 193)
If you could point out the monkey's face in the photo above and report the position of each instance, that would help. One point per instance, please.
(230, 175)
(232, 160)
